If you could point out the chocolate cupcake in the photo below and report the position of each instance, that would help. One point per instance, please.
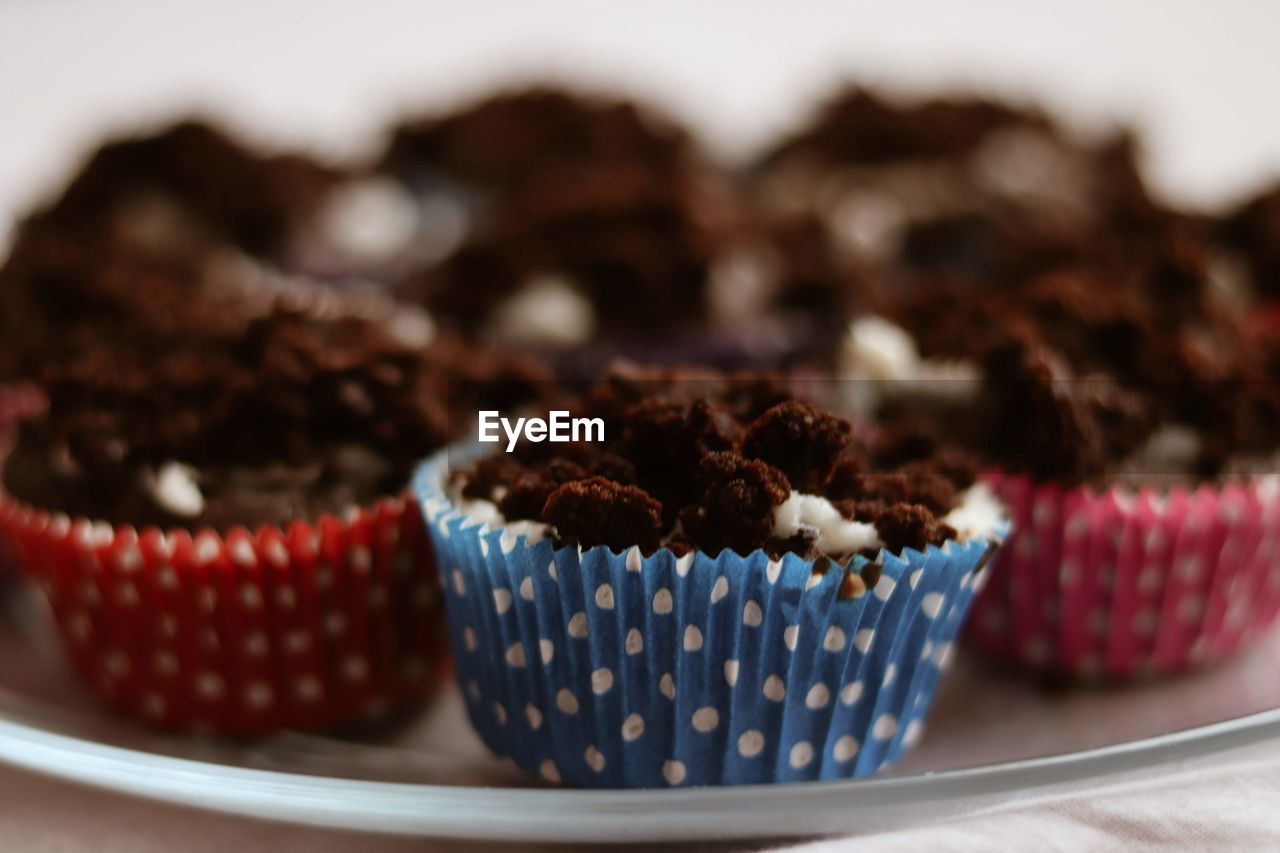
(1131, 421)
(158, 236)
(962, 188)
(220, 527)
(590, 222)
(728, 588)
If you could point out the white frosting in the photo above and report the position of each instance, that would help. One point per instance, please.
(879, 354)
(978, 516)
(174, 488)
(818, 519)
(546, 310)
(374, 218)
(740, 285)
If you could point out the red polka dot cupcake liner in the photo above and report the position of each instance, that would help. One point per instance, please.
(1113, 585)
(17, 402)
(245, 633)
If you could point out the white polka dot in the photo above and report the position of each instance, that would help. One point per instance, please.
(801, 755)
(815, 579)
(750, 743)
(884, 587)
(731, 672)
(634, 561)
(502, 600)
(692, 638)
(515, 655)
(255, 644)
(775, 690)
(634, 642)
(1150, 579)
(1190, 568)
(566, 701)
(752, 615)
(885, 726)
(578, 625)
(915, 731)
(355, 668)
(601, 680)
(890, 671)
(165, 663)
(943, 655)
(484, 548)
(926, 650)
(914, 579)
(667, 685)
(534, 716)
(507, 542)
(862, 639)
(595, 760)
(1144, 622)
(845, 749)
(209, 685)
(834, 640)
(526, 589)
(817, 697)
(604, 597)
(1190, 609)
(546, 650)
(706, 719)
(259, 696)
(308, 688)
(547, 770)
(773, 570)
(684, 564)
(790, 636)
(931, 604)
(500, 713)
(632, 727)
(673, 771)
(851, 692)
(662, 603)
(719, 589)
(551, 571)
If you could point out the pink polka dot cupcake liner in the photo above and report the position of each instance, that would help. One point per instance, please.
(1114, 585)
(243, 633)
(607, 669)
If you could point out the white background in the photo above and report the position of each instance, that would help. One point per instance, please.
(1200, 76)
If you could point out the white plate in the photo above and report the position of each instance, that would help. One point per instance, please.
(993, 737)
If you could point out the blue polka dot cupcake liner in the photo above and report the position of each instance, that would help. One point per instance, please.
(618, 670)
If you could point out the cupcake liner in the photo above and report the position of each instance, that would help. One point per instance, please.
(1114, 584)
(608, 669)
(243, 633)
(17, 402)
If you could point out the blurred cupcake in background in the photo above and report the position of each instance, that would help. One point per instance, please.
(590, 223)
(728, 589)
(961, 187)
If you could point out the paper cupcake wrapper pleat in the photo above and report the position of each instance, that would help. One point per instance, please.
(303, 628)
(1114, 585)
(607, 669)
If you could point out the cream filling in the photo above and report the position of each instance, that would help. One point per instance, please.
(372, 219)
(979, 515)
(546, 310)
(883, 361)
(174, 488)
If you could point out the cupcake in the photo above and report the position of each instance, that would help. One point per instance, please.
(1129, 425)
(959, 187)
(727, 587)
(221, 529)
(589, 221)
